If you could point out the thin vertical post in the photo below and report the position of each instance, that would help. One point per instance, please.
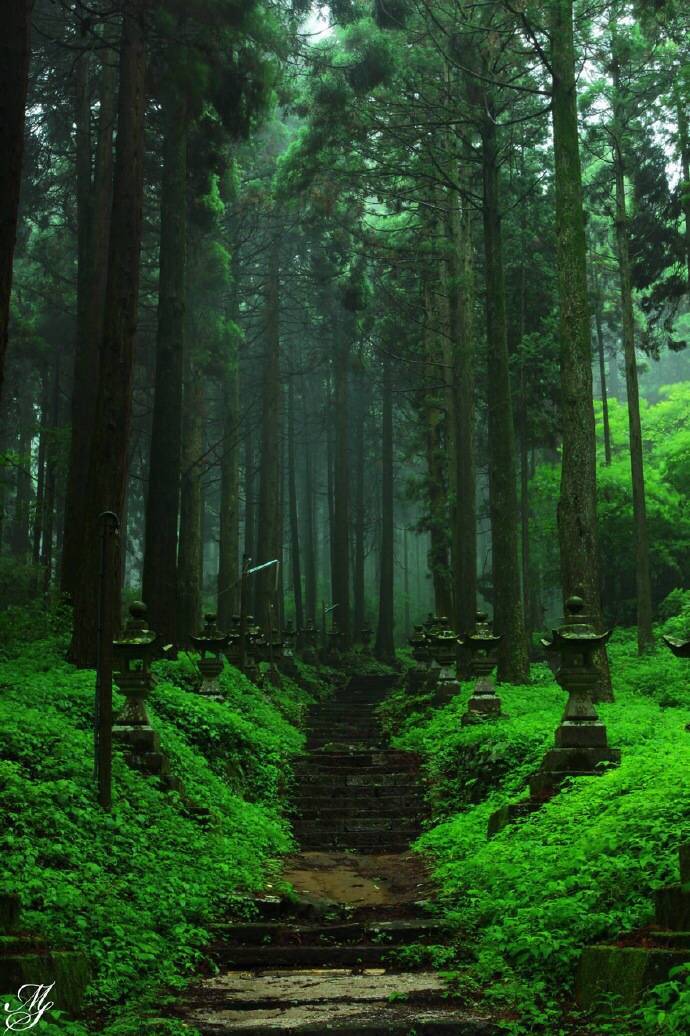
(103, 745)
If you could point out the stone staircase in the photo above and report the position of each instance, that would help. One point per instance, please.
(332, 956)
(351, 791)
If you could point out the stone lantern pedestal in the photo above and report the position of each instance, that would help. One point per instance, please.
(252, 650)
(210, 643)
(481, 646)
(365, 637)
(307, 643)
(287, 663)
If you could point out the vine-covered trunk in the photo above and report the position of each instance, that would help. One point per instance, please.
(163, 496)
(598, 304)
(107, 478)
(577, 516)
(513, 662)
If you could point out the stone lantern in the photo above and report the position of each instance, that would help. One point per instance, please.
(252, 651)
(133, 653)
(365, 635)
(680, 648)
(307, 642)
(444, 650)
(417, 674)
(481, 646)
(287, 660)
(582, 747)
(233, 650)
(210, 643)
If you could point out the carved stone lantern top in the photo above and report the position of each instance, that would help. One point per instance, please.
(483, 639)
(137, 643)
(680, 648)
(210, 639)
(577, 635)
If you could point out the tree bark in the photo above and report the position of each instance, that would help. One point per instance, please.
(645, 637)
(14, 79)
(513, 661)
(359, 510)
(684, 153)
(598, 303)
(94, 201)
(341, 485)
(107, 478)
(577, 513)
(229, 521)
(385, 641)
(190, 549)
(269, 541)
(292, 504)
(163, 496)
(308, 502)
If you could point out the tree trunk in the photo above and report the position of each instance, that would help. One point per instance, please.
(269, 542)
(385, 642)
(292, 504)
(107, 478)
(94, 201)
(49, 502)
(359, 509)
(684, 152)
(20, 540)
(229, 520)
(309, 535)
(163, 496)
(645, 637)
(577, 514)
(190, 551)
(460, 403)
(341, 488)
(513, 662)
(14, 78)
(39, 509)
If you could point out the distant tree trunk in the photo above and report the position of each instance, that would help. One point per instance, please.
(460, 399)
(14, 77)
(358, 568)
(94, 201)
(39, 509)
(190, 551)
(645, 637)
(330, 498)
(310, 564)
(385, 640)
(269, 542)
(577, 515)
(292, 503)
(49, 503)
(513, 662)
(107, 479)
(435, 455)
(598, 302)
(20, 540)
(163, 496)
(341, 486)
(229, 521)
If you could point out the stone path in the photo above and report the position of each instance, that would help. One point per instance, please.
(327, 959)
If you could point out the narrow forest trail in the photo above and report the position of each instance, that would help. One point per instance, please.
(325, 960)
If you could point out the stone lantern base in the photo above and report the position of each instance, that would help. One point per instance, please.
(252, 671)
(288, 666)
(484, 703)
(581, 750)
(415, 679)
(210, 669)
(447, 686)
(272, 675)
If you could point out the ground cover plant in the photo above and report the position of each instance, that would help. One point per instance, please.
(580, 870)
(137, 889)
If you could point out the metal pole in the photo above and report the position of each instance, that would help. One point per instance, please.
(103, 738)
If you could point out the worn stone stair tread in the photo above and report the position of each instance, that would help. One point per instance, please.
(286, 932)
(347, 1020)
(314, 956)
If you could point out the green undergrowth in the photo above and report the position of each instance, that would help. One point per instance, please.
(138, 889)
(580, 870)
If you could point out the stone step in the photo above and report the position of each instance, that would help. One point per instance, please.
(385, 794)
(356, 778)
(355, 762)
(388, 842)
(261, 958)
(329, 1000)
(357, 811)
(327, 825)
(288, 933)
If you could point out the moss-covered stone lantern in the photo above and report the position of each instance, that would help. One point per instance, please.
(210, 643)
(365, 637)
(481, 647)
(417, 674)
(582, 747)
(680, 648)
(133, 653)
(444, 650)
(307, 642)
(252, 651)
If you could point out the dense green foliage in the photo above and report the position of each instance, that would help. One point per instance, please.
(138, 888)
(580, 870)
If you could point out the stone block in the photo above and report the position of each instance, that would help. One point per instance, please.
(68, 970)
(581, 735)
(617, 976)
(138, 739)
(509, 813)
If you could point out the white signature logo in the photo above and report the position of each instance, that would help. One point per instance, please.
(32, 1007)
